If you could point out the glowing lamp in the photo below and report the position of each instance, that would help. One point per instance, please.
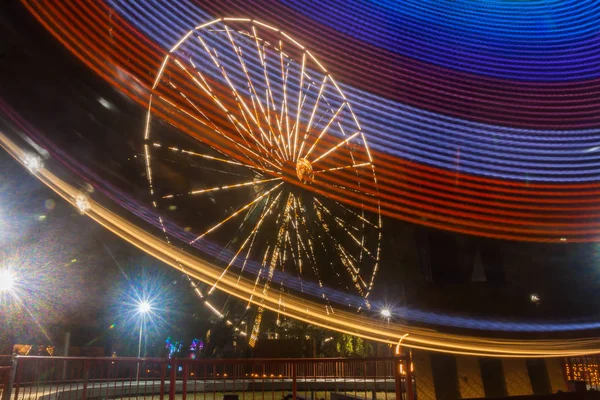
(7, 280)
(144, 307)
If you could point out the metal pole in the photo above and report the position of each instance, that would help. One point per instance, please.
(66, 354)
(410, 392)
(173, 379)
(137, 374)
(140, 341)
(294, 382)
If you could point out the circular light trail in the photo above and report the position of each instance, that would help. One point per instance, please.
(457, 149)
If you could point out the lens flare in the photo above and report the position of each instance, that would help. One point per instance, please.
(7, 280)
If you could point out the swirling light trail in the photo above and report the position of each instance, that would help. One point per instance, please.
(127, 202)
(518, 185)
(300, 308)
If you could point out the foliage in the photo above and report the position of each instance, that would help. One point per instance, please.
(353, 346)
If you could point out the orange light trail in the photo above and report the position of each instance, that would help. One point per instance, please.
(303, 309)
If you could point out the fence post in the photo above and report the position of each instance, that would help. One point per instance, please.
(18, 377)
(294, 383)
(163, 368)
(10, 378)
(185, 376)
(398, 377)
(410, 395)
(173, 379)
(86, 375)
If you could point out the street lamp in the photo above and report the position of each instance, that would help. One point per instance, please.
(7, 280)
(143, 308)
(387, 314)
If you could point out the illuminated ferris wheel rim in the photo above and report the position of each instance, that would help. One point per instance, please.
(289, 161)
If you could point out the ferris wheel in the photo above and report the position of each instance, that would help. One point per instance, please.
(252, 144)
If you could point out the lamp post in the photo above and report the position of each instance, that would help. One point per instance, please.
(387, 314)
(143, 308)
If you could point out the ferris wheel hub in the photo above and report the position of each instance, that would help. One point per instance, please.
(304, 171)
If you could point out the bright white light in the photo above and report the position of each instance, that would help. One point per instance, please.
(534, 298)
(7, 280)
(105, 103)
(144, 307)
(33, 162)
(386, 313)
(82, 203)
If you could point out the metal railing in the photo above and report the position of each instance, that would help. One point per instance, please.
(60, 378)
(5, 360)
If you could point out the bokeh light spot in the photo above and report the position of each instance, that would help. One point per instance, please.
(50, 204)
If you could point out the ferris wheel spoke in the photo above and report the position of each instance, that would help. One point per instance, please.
(359, 216)
(361, 165)
(344, 255)
(205, 87)
(309, 248)
(324, 131)
(213, 158)
(251, 86)
(299, 243)
(350, 189)
(191, 103)
(225, 187)
(274, 151)
(346, 228)
(254, 231)
(271, 101)
(263, 266)
(237, 212)
(284, 105)
(312, 115)
(244, 109)
(244, 150)
(296, 125)
(246, 259)
(204, 167)
(359, 282)
(248, 130)
(268, 93)
(148, 169)
(337, 146)
(229, 114)
(319, 240)
(299, 110)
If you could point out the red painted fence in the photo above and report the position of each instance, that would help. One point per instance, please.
(78, 378)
